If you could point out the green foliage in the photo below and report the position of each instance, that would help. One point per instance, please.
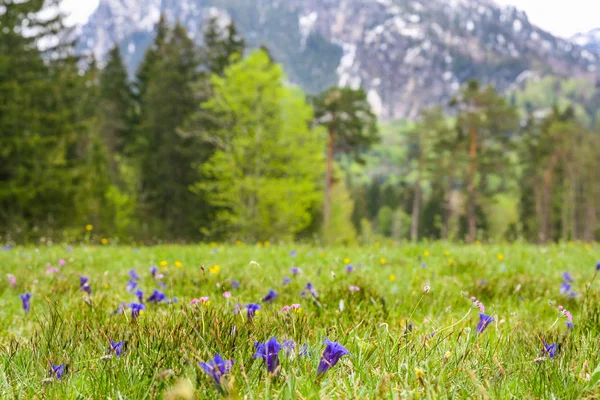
(264, 175)
(340, 231)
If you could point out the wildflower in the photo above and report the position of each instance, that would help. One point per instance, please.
(484, 321)
(178, 264)
(117, 347)
(252, 309)
(550, 349)
(567, 277)
(303, 352)
(202, 300)
(120, 309)
(426, 253)
(382, 261)
(569, 325)
(427, 289)
(227, 295)
(156, 297)
(104, 240)
(293, 253)
(213, 270)
(131, 286)
(136, 309)
(163, 263)
(419, 373)
(446, 253)
(295, 270)
(289, 346)
(392, 277)
(235, 284)
(478, 304)
(346, 261)
(270, 296)
(217, 367)
(140, 295)
(58, 371)
(286, 280)
(267, 243)
(332, 354)
(154, 270)
(84, 284)
(293, 307)
(563, 311)
(259, 244)
(565, 287)
(354, 289)
(239, 243)
(598, 266)
(89, 227)
(134, 275)
(269, 352)
(26, 298)
(500, 256)
(12, 280)
(62, 262)
(310, 288)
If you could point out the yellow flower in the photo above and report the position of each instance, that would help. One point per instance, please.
(178, 264)
(163, 263)
(392, 277)
(322, 255)
(267, 243)
(163, 269)
(239, 243)
(419, 373)
(106, 285)
(382, 261)
(259, 244)
(588, 246)
(104, 240)
(500, 257)
(89, 227)
(377, 244)
(426, 253)
(446, 253)
(450, 261)
(478, 243)
(141, 312)
(213, 244)
(213, 270)
(571, 243)
(346, 261)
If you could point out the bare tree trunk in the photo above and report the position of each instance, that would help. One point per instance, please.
(471, 191)
(328, 178)
(546, 200)
(416, 207)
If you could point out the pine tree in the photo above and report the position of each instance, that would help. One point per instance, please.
(220, 45)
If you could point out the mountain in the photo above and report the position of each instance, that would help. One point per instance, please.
(407, 54)
(589, 40)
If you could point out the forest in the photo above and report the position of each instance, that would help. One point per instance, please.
(212, 143)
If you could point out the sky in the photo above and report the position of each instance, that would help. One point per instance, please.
(561, 17)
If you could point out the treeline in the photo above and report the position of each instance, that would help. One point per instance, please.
(210, 143)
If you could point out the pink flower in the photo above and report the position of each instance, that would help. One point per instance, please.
(12, 280)
(202, 300)
(52, 270)
(354, 289)
(477, 303)
(565, 313)
(293, 307)
(62, 262)
(159, 276)
(227, 295)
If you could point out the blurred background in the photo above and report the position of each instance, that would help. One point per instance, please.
(335, 121)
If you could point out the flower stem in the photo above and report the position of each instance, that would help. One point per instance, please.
(457, 322)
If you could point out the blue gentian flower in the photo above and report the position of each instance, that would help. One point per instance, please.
(349, 268)
(140, 295)
(217, 367)
(84, 284)
(550, 349)
(136, 308)
(117, 347)
(286, 280)
(303, 352)
(269, 352)
(26, 298)
(156, 297)
(569, 325)
(134, 275)
(598, 267)
(310, 288)
(567, 277)
(293, 253)
(332, 354)
(289, 346)
(131, 285)
(252, 309)
(565, 287)
(58, 371)
(154, 271)
(270, 296)
(235, 284)
(484, 321)
(295, 270)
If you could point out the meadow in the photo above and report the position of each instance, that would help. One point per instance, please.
(408, 315)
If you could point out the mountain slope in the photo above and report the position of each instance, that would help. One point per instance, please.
(407, 54)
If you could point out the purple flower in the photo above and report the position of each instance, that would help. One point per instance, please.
(217, 367)
(134, 275)
(140, 295)
(117, 347)
(270, 296)
(62, 262)
(332, 354)
(565, 287)
(295, 270)
(58, 371)
(569, 325)
(26, 298)
(120, 309)
(293, 253)
(303, 352)
(289, 346)
(252, 309)
(154, 271)
(550, 349)
(136, 309)
(269, 352)
(349, 268)
(235, 284)
(286, 280)
(484, 321)
(131, 286)
(310, 288)
(84, 284)
(598, 267)
(567, 277)
(156, 297)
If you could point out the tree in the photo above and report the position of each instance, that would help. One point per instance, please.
(263, 176)
(220, 45)
(489, 121)
(351, 129)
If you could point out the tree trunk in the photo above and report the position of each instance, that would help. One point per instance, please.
(328, 178)
(416, 207)
(471, 191)
(546, 200)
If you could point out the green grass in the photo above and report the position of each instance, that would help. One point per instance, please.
(521, 292)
